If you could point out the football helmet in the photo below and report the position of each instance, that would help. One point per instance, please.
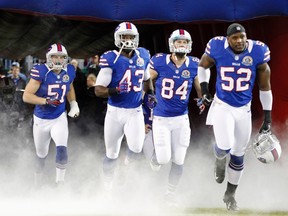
(126, 28)
(56, 49)
(266, 147)
(178, 35)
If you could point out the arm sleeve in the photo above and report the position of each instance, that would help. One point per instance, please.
(104, 77)
(266, 99)
(203, 74)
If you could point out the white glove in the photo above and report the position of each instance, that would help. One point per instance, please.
(74, 109)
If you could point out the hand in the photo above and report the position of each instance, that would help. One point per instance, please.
(200, 105)
(74, 109)
(53, 101)
(207, 99)
(123, 87)
(150, 100)
(265, 128)
(147, 128)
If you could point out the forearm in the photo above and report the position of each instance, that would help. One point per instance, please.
(148, 86)
(71, 96)
(34, 99)
(103, 92)
(266, 100)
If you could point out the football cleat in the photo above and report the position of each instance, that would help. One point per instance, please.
(219, 170)
(155, 166)
(230, 202)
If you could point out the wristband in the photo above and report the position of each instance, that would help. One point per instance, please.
(204, 88)
(113, 91)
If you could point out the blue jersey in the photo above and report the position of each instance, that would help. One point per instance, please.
(52, 85)
(173, 85)
(236, 73)
(126, 69)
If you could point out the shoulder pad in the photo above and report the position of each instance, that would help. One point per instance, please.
(107, 59)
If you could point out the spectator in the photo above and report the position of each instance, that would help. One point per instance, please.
(79, 84)
(15, 72)
(93, 66)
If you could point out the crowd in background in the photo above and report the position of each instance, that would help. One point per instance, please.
(15, 113)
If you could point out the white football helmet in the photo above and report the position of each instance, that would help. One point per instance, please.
(266, 147)
(177, 35)
(126, 28)
(56, 49)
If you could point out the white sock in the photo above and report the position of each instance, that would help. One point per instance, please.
(60, 175)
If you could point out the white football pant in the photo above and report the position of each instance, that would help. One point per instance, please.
(171, 137)
(45, 129)
(232, 130)
(120, 122)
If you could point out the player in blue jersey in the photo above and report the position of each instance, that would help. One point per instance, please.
(121, 79)
(51, 84)
(239, 61)
(174, 75)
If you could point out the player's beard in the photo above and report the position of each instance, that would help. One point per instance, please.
(128, 51)
(180, 55)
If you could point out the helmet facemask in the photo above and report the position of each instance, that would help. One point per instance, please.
(122, 40)
(121, 31)
(57, 50)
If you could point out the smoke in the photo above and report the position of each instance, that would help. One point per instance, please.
(137, 190)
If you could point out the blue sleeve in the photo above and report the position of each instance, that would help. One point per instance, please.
(156, 60)
(107, 59)
(214, 46)
(38, 72)
(263, 52)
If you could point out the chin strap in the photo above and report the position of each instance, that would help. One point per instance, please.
(119, 53)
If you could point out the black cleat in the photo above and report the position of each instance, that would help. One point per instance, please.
(231, 203)
(219, 170)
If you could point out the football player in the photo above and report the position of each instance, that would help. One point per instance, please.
(51, 84)
(174, 75)
(121, 79)
(238, 61)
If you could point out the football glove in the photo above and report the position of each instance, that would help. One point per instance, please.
(265, 128)
(53, 101)
(207, 99)
(150, 100)
(201, 106)
(123, 87)
(74, 109)
(266, 125)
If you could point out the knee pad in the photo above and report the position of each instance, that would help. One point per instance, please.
(61, 155)
(236, 162)
(220, 153)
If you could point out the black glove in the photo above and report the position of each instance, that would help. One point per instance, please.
(266, 126)
(206, 96)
